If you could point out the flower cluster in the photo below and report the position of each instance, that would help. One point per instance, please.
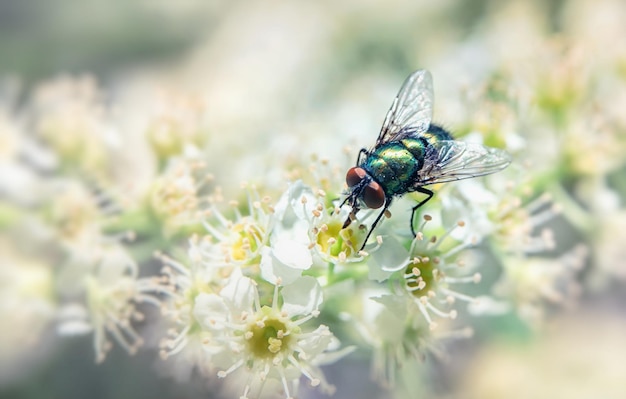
(240, 306)
(123, 220)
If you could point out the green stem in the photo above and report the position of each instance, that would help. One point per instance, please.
(331, 271)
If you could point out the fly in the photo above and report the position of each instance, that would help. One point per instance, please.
(411, 153)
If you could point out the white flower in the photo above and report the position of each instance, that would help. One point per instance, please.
(267, 341)
(241, 236)
(309, 219)
(507, 212)
(382, 325)
(75, 215)
(176, 124)
(397, 334)
(428, 273)
(111, 287)
(533, 283)
(71, 118)
(471, 200)
(183, 282)
(400, 320)
(177, 197)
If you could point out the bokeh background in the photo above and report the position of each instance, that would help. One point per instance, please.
(265, 84)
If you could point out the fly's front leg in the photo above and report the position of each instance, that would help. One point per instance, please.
(350, 217)
(423, 191)
(380, 215)
(361, 152)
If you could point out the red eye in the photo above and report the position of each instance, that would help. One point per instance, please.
(354, 176)
(373, 195)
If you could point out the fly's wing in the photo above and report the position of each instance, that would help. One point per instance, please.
(411, 110)
(451, 160)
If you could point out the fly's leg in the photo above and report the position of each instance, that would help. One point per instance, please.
(355, 210)
(350, 217)
(380, 215)
(423, 191)
(361, 152)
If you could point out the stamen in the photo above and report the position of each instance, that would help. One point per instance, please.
(460, 223)
(235, 366)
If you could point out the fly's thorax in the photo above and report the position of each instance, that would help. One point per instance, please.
(394, 166)
(417, 148)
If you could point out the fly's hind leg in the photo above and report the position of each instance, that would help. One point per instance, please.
(423, 191)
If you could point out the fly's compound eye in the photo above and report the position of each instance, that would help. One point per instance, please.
(373, 195)
(354, 176)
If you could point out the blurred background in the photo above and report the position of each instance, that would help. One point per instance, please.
(263, 84)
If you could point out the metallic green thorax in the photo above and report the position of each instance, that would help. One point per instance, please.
(395, 164)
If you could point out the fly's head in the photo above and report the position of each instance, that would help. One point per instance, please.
(365, 192)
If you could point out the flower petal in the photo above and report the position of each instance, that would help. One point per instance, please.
(239, 292)
(291, 203)
(293, 254)
(210, 310)
(285, 260)
(389, 258)
(302, 297)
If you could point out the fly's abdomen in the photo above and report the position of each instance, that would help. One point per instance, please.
(393, 165)
(436, 133)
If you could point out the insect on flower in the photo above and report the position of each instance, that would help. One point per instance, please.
(411, 152)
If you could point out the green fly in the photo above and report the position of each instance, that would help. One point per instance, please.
(411, 152)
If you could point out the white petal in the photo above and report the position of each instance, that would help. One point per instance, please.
(266, 265)
(285, 260)
(210, 310)
(302, 296)
(290, 203)
(393, 304)
(384, 317)
(272, 270)
(389, 258)
(293, 254)
(316, 341)
(239, 292)
(331, 357)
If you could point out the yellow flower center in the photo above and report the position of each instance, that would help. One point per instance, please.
(425, 275)
(269, 334)
(334, 240)
(246, 240)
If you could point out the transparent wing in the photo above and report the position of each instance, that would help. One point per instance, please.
(411, 110)
(451, 160)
